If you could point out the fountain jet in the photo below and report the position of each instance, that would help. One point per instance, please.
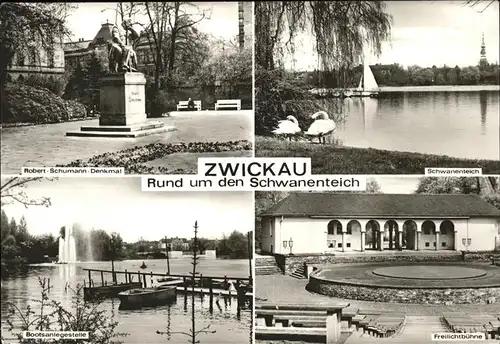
(67, 246)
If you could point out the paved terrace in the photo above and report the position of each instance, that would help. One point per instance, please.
(287, 289)
(47, 145)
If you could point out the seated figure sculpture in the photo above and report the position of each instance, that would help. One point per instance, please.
(122, 58)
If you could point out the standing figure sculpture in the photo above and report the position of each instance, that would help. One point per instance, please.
(122, 57)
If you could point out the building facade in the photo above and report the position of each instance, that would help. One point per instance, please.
(245, 19)
(36, 61)
(81, 50)
(319, 223)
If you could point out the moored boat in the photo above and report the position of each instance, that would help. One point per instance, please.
(91, 293)
(147, 297)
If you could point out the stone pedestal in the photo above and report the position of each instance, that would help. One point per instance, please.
(123, 99)
(123, 109)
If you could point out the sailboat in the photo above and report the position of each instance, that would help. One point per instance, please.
(368, 86)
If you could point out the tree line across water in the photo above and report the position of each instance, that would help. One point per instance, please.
(19, 246)
(397, 75)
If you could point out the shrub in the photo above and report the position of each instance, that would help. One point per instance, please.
(36, 105)
(51, 315)
(160, 103)
(278, 95)
(55, 85)
(75, 109)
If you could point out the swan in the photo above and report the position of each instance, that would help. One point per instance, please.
(322, 126)
(288, 127)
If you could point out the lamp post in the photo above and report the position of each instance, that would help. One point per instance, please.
(166, 253)
(249, 242)
(285, 243)
(291, 245)
(112, 240)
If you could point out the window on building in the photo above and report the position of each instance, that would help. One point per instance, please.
(348, 244)
(443, 244)
(331, 243)
(427, 244)
(339, 245)
(349, 230)
(20, 57)
(446, 227)
(428, 228)
(33, 56)
(334, 227)
(51, 57)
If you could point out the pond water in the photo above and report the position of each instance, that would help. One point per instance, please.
(457, 124)
(231, 325)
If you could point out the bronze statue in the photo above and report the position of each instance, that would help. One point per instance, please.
(122, 57)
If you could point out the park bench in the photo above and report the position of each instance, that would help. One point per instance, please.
(490, 323)
(228, 104)
(461, 322)
(183, 105)
(286, 321)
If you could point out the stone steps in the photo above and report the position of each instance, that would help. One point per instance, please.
(265, 261)
(299, 273)
(267, 270)
(266, 266)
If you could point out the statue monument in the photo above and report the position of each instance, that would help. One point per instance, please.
(122, 91)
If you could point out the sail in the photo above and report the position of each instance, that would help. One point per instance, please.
(369, 80)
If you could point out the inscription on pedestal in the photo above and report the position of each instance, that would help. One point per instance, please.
(123, 99)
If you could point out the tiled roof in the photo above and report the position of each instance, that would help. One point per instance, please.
(71, 46)
(103, 35)
(383, 205)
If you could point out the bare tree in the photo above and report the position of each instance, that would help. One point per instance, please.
(477, 3)
(167, 21)
(179, 21)
(193, 333)
(12, 191)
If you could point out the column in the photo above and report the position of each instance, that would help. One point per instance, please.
(344, 223)
(391, 236)
(344, 232)
(419, 239)
(418, 235)
(400, 233)
(381, 239)
(437, 239)
(455, 240)
(363, 223)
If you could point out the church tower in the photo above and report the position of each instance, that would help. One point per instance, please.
(482, 60)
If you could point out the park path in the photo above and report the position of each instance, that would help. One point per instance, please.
(47, 145)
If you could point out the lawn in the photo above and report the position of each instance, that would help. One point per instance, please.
(331, 159)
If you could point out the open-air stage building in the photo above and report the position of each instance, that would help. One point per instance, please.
(322, 223)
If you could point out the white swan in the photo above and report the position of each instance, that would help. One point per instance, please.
(288, 127)
(321, 127)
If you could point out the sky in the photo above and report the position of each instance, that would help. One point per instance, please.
(86, 20)
(427, 33)
(397, 184)
(119, 205)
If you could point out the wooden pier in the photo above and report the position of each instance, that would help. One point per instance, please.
(200, 284)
